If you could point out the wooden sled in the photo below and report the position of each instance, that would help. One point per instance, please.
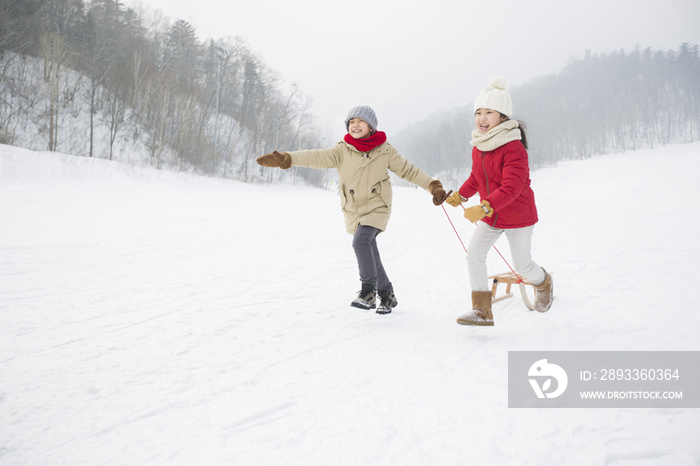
(509, 279)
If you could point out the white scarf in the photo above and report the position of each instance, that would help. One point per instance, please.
(496, 137)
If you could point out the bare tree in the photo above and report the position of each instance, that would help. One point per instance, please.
(99, 53)
(57, 56)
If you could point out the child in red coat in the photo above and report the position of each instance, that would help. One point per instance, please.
(501, 175)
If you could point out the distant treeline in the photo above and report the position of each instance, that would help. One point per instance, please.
(98, 79)
(595, 105)
(91, 77)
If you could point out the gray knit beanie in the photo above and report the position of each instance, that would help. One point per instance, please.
(365, 113)
(495, 97)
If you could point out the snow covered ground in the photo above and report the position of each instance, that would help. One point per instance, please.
(153, 318)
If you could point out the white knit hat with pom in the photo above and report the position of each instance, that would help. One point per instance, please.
(495, 97)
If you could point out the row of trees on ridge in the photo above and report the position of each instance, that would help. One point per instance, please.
(595, 105)
(96, 78)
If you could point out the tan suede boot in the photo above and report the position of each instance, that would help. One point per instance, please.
(544, 293)
(481, 310)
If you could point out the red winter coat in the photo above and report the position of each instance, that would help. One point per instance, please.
(502, 177)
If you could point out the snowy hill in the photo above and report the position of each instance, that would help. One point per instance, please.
(153, 318)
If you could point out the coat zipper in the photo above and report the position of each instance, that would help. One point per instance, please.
(488, 189)
(486, 175)
(360, 210)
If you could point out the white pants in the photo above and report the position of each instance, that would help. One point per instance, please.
(520, 241)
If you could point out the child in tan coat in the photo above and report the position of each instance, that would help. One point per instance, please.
(363, 160)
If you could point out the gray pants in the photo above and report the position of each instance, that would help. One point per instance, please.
(371, 269)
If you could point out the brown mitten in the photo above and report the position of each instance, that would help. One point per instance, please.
(455, 199)
(477, 212)
(282, 160)
(436, 189)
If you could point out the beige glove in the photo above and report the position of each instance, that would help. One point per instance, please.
(282, 160)
(455, 199)
(477, 212)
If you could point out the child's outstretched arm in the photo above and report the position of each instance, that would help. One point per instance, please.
(408, 171)
(314, 158)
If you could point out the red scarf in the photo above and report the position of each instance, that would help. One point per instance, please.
(368, 143)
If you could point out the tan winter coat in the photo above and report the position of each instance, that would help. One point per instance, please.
(364, 186)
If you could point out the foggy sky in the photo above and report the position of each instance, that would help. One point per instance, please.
(410, 58)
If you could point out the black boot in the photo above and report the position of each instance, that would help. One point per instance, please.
(388, 302)
(367, 299)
